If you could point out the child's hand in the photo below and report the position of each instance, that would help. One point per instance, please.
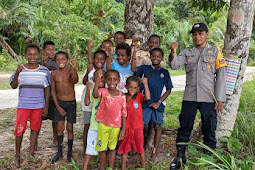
(174, 46)
(99, 74)
(111, 49)
(44, 112)
(110, 36)
(122, 134)
(61, 111)
(44, 59)
(74, 63)
(19, 69)
(145, 80)
(155, 105)
(89, 68)
(90, 43)
(89, 85)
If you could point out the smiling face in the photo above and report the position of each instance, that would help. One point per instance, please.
(99, 61)
(153, 43)
(112, 80)
(49, 51)
(199, 38)
(61, 60)
(132, 87)
(122, 57)
(32, 55)
(156, 57)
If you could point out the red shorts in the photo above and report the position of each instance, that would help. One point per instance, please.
(133, 137)
(35, 117)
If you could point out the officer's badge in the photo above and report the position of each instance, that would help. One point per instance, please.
(209, 60)
(210, 52)
(209, 66)
(136, 105)
(162, 75)
(222, 61)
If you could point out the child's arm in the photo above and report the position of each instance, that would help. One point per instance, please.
(133, 61)
(109, 58)
(146, 88)
(98, 75)
(162, 98)
(123, 128)
(74, 73)
(86, 77)
(54, 95)
(15, 83)
(90, 45)
(47, 97)
(87, 95)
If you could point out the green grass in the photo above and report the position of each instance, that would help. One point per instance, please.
(177, 72)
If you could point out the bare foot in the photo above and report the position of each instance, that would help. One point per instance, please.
(17, 161)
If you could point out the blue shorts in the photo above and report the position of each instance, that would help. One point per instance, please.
(156, 116)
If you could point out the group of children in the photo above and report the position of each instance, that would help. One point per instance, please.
(116, 104)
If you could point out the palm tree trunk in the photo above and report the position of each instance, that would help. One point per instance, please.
(139, 19)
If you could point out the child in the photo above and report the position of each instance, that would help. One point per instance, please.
(122, 65)
(107, 46)
(158, 77)
(63, 94)
(134, 122)
(119, 37)
(93, 128)
(33, 81)
(48, 61)
(96, 63)
(111, 115)
(143, 57)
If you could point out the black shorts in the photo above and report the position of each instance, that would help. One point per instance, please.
(51, 110)
(70, 109)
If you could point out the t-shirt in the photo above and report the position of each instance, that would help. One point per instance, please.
(31, 84)
(114, 56)
(90, 79)
(111, 108)
(51, 65)
(125, 72)
(156, 82)
(95, 104)
(134, 112)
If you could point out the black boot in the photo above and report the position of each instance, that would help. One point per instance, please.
(180, 158)
(70, 148)
(60, 149)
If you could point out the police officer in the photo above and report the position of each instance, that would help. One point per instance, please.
(204, 91)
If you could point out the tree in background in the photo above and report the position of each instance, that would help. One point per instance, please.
(139, 19)
(237, 41)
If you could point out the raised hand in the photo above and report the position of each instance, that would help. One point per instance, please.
(174, 46)
(74, 63)
(90, 43)
(19, 68)
(110, 36)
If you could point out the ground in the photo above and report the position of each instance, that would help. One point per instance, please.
(46, 150)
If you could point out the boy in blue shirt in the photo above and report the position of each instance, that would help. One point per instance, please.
(123, 65)
(158, 78)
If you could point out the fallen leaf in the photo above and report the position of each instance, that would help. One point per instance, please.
(45, 164)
